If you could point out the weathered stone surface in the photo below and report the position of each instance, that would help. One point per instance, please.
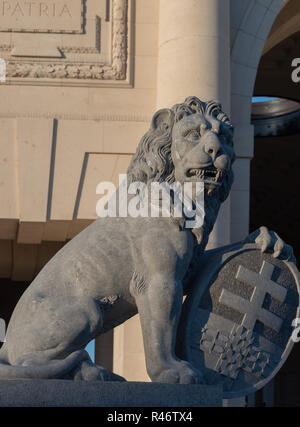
(122, 265)
(237, 323)
(132, 394)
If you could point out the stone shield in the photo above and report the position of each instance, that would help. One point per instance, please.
(236, 324)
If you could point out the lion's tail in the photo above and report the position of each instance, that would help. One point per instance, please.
(51, 370)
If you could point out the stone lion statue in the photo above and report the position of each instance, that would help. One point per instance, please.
(119, 266)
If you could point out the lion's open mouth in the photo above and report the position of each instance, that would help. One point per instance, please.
(210, 175)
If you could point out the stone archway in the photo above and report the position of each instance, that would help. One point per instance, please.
(274, 197)
(250, 25)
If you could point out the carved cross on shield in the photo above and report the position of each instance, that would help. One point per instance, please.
(236, 324)
(253, 308)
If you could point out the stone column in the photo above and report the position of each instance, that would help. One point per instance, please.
(193, 59)
(194, 51)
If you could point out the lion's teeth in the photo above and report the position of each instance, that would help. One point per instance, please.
(214, 175)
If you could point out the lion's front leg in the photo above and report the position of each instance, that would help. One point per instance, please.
(159, 305)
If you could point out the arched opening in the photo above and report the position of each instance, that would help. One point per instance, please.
(275, 175)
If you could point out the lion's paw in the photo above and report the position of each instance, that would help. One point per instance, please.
(183, 373)
(88, 371)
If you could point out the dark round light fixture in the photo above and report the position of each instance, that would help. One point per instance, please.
(275, 117)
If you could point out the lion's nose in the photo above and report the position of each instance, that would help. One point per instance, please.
(213, 147)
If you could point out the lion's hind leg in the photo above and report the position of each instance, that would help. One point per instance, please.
(55, 329)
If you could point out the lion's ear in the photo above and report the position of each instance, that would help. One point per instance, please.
(163, 120)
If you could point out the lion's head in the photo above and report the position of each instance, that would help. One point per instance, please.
(192, 141)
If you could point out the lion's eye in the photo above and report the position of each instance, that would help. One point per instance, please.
(193, 135)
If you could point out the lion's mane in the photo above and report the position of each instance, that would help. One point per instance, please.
(153, 161)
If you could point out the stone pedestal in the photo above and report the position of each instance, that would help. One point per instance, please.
(43, 393)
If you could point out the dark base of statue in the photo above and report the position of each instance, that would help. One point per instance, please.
(64, 393)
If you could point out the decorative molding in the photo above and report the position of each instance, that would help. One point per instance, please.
(82, 49)
(6, 47)
(79, 49)
(49, 30)
(79, 71)
(98, 34)
(119, 38)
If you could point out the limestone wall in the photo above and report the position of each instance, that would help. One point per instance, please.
(80, 91)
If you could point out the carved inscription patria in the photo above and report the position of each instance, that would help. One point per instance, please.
(51, 16)
(98, 55)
